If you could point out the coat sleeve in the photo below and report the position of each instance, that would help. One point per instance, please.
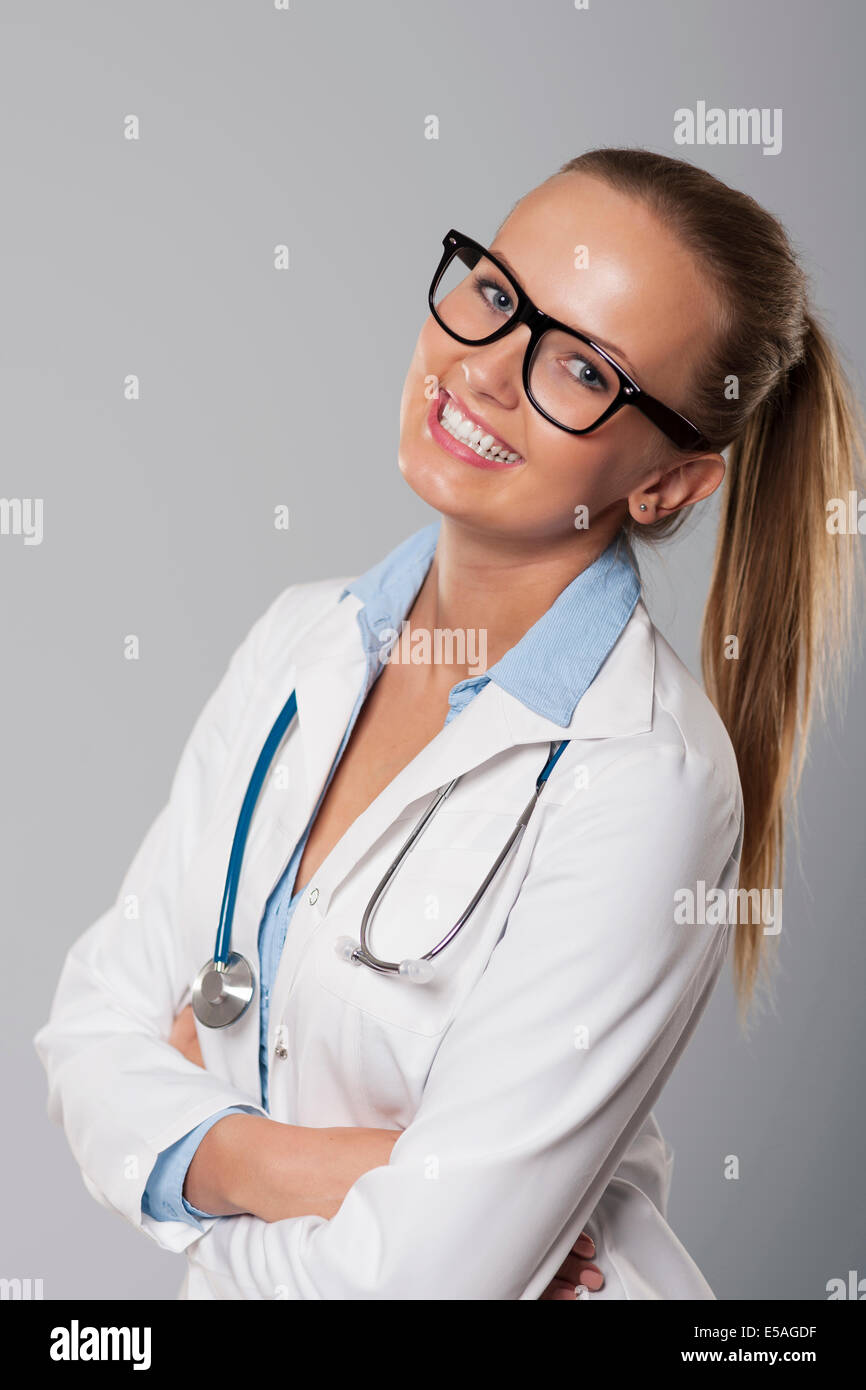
(546, 1073)
(120, 1091)
(163, 1197)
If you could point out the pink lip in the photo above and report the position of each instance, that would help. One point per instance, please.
(453, 446)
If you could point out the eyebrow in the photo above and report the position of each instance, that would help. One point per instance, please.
(608, 347)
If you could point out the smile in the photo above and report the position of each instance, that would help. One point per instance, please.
(464, 434)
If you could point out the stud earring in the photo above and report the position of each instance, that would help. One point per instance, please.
(643, 506)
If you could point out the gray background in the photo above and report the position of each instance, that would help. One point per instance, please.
(155, 257)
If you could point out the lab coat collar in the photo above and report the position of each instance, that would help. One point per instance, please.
(556, 660)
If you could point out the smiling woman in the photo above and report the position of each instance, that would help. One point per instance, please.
(480, 1129)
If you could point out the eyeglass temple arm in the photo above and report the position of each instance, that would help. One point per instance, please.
(683, 433)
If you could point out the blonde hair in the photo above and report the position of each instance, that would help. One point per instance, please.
(782, 584)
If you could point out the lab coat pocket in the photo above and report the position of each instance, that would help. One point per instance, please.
(425, 899)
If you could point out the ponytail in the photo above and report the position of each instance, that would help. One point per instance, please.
(777, 624)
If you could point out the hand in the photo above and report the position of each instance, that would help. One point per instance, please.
(184, 1037)
(575, 1269)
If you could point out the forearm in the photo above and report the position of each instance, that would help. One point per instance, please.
(252, 1164)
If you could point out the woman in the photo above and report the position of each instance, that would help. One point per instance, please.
(368, 1135)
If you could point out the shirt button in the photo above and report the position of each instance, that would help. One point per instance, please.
(314, 896)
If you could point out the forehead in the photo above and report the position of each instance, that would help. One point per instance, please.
(637, 286)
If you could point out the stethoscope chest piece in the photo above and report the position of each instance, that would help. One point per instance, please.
(222, 993)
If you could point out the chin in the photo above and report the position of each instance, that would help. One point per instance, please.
(433, 481)
(450, 493)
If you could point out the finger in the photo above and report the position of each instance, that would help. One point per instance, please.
(584, 1245)
(560, 1292)
(592, 1278)
(184, 1038)
(574, 1269)
(571, 1267)
(184, 1025)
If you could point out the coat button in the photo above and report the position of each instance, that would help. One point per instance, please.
(314, 896)
(281, 1048)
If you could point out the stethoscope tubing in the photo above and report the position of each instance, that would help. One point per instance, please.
(236, 857)
(364, 954)
(225, 986)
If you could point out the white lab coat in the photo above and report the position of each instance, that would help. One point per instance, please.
(522, 1077)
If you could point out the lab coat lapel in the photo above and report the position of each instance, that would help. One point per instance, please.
(618, 701)
(329, 669)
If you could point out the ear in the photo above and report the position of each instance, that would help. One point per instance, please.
(690, 480)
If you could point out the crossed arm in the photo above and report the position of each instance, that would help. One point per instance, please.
(249, 1164)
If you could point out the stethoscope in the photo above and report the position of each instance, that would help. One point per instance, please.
(225, 985)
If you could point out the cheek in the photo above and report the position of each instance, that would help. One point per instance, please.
(593, 471)
(563, 472)
(434, 353)
(570, 483)
(412, 404)
(425, 369)
(628, 467)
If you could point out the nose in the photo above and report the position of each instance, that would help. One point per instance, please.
(495, 370)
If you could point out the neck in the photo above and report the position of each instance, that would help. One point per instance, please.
(498, 585)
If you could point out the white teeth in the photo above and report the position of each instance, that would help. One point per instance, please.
(469, 433)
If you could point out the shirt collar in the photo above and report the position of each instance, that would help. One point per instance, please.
(555, 661)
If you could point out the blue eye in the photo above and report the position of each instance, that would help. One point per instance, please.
(496, 296)
(586, 374)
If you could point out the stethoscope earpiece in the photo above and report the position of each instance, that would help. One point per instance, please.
(417, 972)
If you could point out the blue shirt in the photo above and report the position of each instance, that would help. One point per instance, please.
(549, 670)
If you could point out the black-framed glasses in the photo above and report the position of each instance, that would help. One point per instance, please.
(572, 381)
